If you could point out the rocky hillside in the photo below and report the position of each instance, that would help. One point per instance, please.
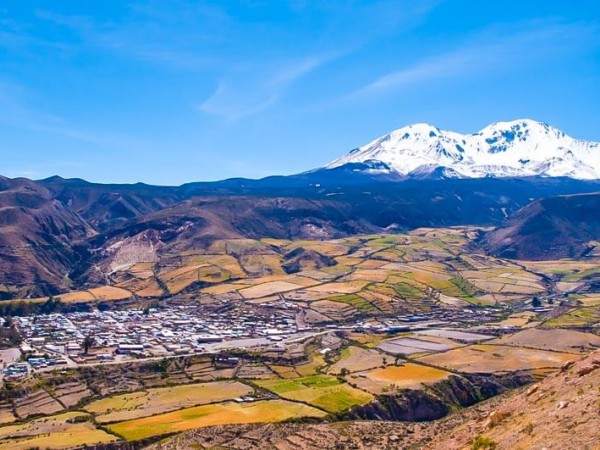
(38, 238)
(549, 228)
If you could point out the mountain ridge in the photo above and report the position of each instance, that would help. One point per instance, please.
(519, 148)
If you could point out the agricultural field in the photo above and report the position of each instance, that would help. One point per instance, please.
(578, 317)
(66, 430)
(371, 275)
(322, 391)
(388, 313)
(160, 400)
(552, 339)
(395, 378)
(357, 359)
(412, 345)
(480, 358)
(214, 414)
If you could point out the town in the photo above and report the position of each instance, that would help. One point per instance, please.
(55, 341)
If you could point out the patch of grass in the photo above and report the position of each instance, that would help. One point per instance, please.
(323, 391)
(574, 318)
(356, 301)
(408, 292)
(483, 443)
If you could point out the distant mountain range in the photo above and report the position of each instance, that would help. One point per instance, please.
(58, 234)
(521, 148)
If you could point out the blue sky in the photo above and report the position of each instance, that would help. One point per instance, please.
(178, 91)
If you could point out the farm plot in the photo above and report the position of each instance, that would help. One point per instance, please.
(155, 401)
(6, 413)
(71, 393)
(406, 376)
(575, 318)
(461, 336)
(179, 279)
(409, 346)
(109, 293)
(589, 299)
(552, 339)
(323, 391)
(356, 359)
(497, 359)
(349, 287)
(269, 288)
(505, 280)
(257, 265)
(316, 360)
(566, 269)
(76, 297)
(356, 301)
(36, 402)
(67, 430)
(337, 311)
(215, 414)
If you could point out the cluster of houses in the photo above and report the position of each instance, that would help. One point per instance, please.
(99, 336)
(16, 371)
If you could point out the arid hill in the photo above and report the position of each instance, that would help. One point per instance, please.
(38, 238)
(549, 228)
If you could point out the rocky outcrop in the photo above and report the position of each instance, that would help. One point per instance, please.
(438, 400)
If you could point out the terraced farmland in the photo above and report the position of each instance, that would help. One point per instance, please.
(66, 430)
(215, 414)
(497, 359)
(160, 400)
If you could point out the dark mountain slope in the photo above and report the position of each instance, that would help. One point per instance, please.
(106, 205)
(38, 236)
(550, 228)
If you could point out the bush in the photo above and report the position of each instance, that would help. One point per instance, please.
(483, 443)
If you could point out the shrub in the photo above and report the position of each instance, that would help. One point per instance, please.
(483, 443)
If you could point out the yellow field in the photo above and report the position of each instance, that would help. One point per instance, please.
(52, 432)
(517, 320)
(154, 401)
(215, 414)
(349, 287)
(76, 297)
(142, 270)
(497, 359)
(266, 289)
(6, 416)
(110, 293)
(407, 376)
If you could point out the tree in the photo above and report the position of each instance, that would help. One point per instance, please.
(88, 342)
(536, 302)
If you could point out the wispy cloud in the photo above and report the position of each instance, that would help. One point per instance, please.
(256, 89)
(174, 37)
(497, 51)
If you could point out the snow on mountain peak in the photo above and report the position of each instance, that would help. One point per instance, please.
(518, 148)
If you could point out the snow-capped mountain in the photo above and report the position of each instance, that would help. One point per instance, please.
(521, 148)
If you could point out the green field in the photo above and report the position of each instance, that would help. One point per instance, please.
(323, 391)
